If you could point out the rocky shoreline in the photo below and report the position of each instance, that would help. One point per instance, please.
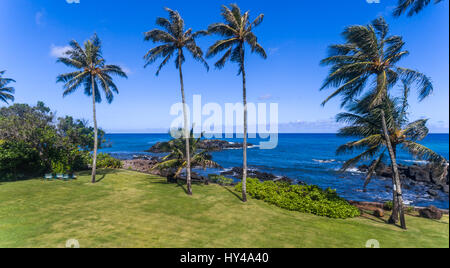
(208, 145)
(424, 175)
(421, 178)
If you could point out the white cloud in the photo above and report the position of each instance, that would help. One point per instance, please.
(73, 1)
(319, 126)
(265, 97)
(58, 51)
(39, 17)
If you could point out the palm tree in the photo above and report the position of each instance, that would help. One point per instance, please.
(6, 93)
(92, 74)
(370, 57)
(237, 31)
(364, 123)
(174, 40)
(414, 6)
(177, 159)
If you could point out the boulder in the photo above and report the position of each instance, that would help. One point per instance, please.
(433, 193)
(419, 173)
(379, 213)
(431, 213)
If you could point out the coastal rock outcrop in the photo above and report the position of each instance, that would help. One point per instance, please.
(426, 175)
(238, 172)
(431, 213)
(208, 145)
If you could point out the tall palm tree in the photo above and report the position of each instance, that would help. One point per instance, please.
(237, 31)
(365, 123)
(93, 75)
(177, 158)
(368, 62)
(414, 6)
(174, 40)
(6, 93)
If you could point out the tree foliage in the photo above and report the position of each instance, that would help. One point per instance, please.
(173, 39)
(176, 159)
(32, 142)
(368, 61)
(237, 31)
(6, 92)
(412, 7)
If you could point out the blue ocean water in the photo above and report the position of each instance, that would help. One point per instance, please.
(307, 157)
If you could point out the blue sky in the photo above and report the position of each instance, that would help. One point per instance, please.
(295, 33)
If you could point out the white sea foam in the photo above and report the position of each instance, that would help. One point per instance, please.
(328, 161)
(417, 161)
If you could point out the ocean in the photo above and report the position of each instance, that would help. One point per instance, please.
(310, 158)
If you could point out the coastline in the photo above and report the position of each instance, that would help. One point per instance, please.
(315, 164)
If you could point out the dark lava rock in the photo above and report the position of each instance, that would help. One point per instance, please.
(429, 176)
(208, 145)
(419, 173)
(431, 213)
(433, 193)
(237, 172)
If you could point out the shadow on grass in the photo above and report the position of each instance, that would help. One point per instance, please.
(373, 218)
(232, 192)
(101, 173)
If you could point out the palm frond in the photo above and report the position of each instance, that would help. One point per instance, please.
(423, 153)
(414, 6)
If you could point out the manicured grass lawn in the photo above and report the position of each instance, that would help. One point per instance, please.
(128, 209)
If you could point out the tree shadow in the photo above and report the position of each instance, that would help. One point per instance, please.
(373, 218)
(101, 173)
(233, 193)
(182, 187)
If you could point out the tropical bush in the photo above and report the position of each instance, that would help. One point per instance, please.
(32, 143)
(18, 159)
(220, 179)
(301, 198)
(107, 161)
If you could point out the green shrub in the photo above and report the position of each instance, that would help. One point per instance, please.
(107, 161)
(220, 179)
(389, 206)
(17, 159)
(59, 167)
(302, 198)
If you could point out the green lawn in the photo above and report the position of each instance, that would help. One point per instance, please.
(128, 209)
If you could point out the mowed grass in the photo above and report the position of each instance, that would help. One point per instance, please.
(129, 209)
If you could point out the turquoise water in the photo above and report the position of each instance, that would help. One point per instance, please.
(307, 157)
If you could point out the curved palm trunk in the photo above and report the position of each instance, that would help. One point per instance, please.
(94, 159)
(244, 91)
(186, 129)
(398, 195)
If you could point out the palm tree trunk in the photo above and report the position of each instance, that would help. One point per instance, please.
(244, 147)
(398, 199)
(186, 128)
(94, 159)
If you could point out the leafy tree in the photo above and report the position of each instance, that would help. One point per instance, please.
(237, 31)
(412, 7)
(6, 93)
(177, 159)
(368, 60)
(32, 143)
(175, 39)
(365, 123)
(93, 76)
(79, 132)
